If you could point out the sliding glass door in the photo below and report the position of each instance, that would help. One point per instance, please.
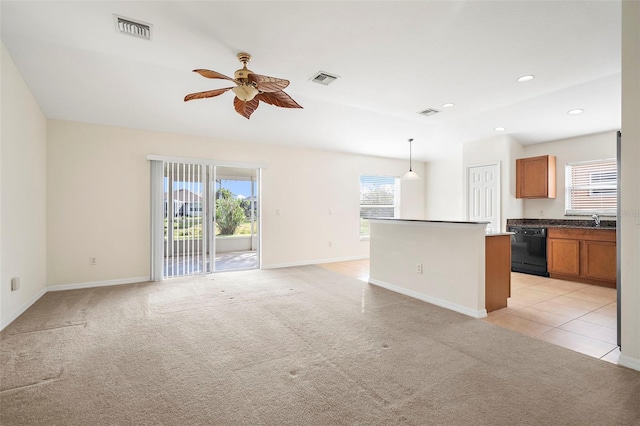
(205, 218)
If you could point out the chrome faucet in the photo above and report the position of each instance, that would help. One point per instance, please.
(596, 218)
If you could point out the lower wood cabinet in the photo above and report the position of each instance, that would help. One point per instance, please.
(599, 260)
(497, 271)
(584, 255)
(563, 256)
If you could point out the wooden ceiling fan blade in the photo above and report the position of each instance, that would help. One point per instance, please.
(214, 74)
(207, 94)
(268, 84)
(245, 109)
(279, 99)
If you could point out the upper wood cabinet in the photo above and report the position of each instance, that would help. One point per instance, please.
(536, 177)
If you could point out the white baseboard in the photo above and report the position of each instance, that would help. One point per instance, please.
(22, 309)
(629, 362)
(106, 283)
(480, 313)
(313, 262)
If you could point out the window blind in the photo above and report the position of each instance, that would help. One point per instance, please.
(378, 198)
(591, 187)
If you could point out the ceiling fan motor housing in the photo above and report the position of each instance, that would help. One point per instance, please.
(242, 74)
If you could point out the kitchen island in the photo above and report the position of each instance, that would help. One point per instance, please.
(440, 262)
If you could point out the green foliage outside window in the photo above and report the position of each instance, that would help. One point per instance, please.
(229, 215)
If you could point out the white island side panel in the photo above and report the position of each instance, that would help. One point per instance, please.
(452, 256)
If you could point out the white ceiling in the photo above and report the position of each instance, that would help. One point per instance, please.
(394, 58)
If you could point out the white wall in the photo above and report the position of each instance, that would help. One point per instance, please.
(498, 149)
(98, 186)
(630, 187)
(598, 146)
(444, 189)
(23, 206)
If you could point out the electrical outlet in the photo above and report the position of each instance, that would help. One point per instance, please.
(92, 261)
(330, 244)
(15, 283)
(419, 268)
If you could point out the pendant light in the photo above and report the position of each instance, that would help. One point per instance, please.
(410, 175)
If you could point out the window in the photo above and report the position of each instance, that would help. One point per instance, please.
(378, 198)
(591, 187)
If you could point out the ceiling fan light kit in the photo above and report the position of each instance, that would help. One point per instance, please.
(245, 92)
(410, 175)
(250, 89)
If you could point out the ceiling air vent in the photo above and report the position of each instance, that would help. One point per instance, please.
(324, 78)
(429, 111)
(133, 28)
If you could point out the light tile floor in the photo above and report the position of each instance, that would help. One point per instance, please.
(576, 316)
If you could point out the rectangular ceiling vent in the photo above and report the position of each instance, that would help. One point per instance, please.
(324, 78)
(133, 28)
(429, 111)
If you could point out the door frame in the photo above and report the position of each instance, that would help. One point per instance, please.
(497, 164)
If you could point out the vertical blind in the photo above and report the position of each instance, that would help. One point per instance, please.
(185, 206)
(378, 198)
(591, 187)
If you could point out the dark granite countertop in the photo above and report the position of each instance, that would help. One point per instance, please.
(562, 223)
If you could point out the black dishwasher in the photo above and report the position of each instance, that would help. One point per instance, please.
(529, 250)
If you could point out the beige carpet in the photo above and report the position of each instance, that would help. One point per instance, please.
(295, 346)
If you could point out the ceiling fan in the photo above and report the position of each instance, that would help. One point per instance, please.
(250, 89)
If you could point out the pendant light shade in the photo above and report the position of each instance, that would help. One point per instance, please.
(410, 175)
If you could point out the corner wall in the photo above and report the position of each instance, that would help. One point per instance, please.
(629, 222)
(444, 189)
(23, 207)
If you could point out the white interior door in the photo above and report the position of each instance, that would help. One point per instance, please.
(483, 195)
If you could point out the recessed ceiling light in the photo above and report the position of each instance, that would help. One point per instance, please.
(449, 105)
(576, 111)
(499, 129)
(526, 78)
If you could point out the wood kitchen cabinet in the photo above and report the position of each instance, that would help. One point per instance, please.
(583, 255)
(536, 177)
(599, 260)
(497, 271)
(563, 256)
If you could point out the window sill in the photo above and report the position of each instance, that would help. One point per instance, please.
(575, 213)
